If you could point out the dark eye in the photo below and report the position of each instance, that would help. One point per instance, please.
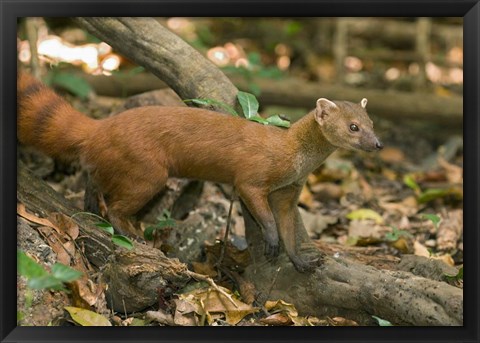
(354, 127)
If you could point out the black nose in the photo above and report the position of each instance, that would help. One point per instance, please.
(379, 145)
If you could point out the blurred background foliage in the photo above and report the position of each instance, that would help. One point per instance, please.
(417, 62)
(379, 53)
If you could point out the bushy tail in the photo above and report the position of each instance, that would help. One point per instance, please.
(48, 122)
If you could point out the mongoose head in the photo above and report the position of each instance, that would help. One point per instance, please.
(347, 125)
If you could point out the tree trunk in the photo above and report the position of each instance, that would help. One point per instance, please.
(152, 46)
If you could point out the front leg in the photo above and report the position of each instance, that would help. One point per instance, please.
(299, 247)
(256, 201)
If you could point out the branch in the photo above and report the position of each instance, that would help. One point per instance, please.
(149, 44)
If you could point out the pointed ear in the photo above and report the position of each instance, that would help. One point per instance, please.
(364, 102)
(324, 107)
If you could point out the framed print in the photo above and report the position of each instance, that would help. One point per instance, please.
(240, 171)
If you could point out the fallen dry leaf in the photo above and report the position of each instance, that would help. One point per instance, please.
(367, 190)
(210, 302)
(283, 309)
(403, 244)
(306, 197)
(87, 318)
(277, 319)
(420, 250)
(316, 223)
(450, 230)
(65, 224)
(391, 155)
(454, 172)
(161, 317)
(21, 211)
(246, 288)
(365, 232)
(185, 312)
(205, 268)
(64, 252)
(87, 292)
(365, 213)
(389, 174)
(340, 321)
(407, 207)
(446, 258)
(327, 190)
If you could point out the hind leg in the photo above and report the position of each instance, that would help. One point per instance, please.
(129, 198)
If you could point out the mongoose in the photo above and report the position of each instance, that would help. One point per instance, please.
(129, 156)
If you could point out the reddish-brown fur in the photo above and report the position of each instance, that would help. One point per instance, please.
(131, 155)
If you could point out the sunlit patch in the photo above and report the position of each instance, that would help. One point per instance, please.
(283, 62)
(219, 56)
(111, 62)
(434, 73)
(353, 63)
(94, 58)
(455, 55)
(456, 75)
(392, 74)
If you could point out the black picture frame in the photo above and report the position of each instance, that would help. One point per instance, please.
(10, 10)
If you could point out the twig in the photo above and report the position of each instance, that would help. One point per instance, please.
(273, 281)
(211, 283)
(31, 28)
(227, 229)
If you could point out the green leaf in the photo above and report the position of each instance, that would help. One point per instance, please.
(277, 121)
(45, 282)
(212, 102)
(163, 221)
(148, 233)
(255, 58)
(249, 104)
(365, 213)
(271, 73)
(293, 28)
(65, 273)
(122, 241)
(27, 267)
(258, 119)
(409, 181)
(166, 223)
(458, 276)
(86, 317)
(138, 322)
(74, 84)
(460, 273)
(432, 194)
(433, 218)
(20, 316)
(135, 71)
(396, 234)
(105, 227)
(382, 322)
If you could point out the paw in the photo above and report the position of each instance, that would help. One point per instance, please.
(272, 249)
(307, 263)
(272, 244)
